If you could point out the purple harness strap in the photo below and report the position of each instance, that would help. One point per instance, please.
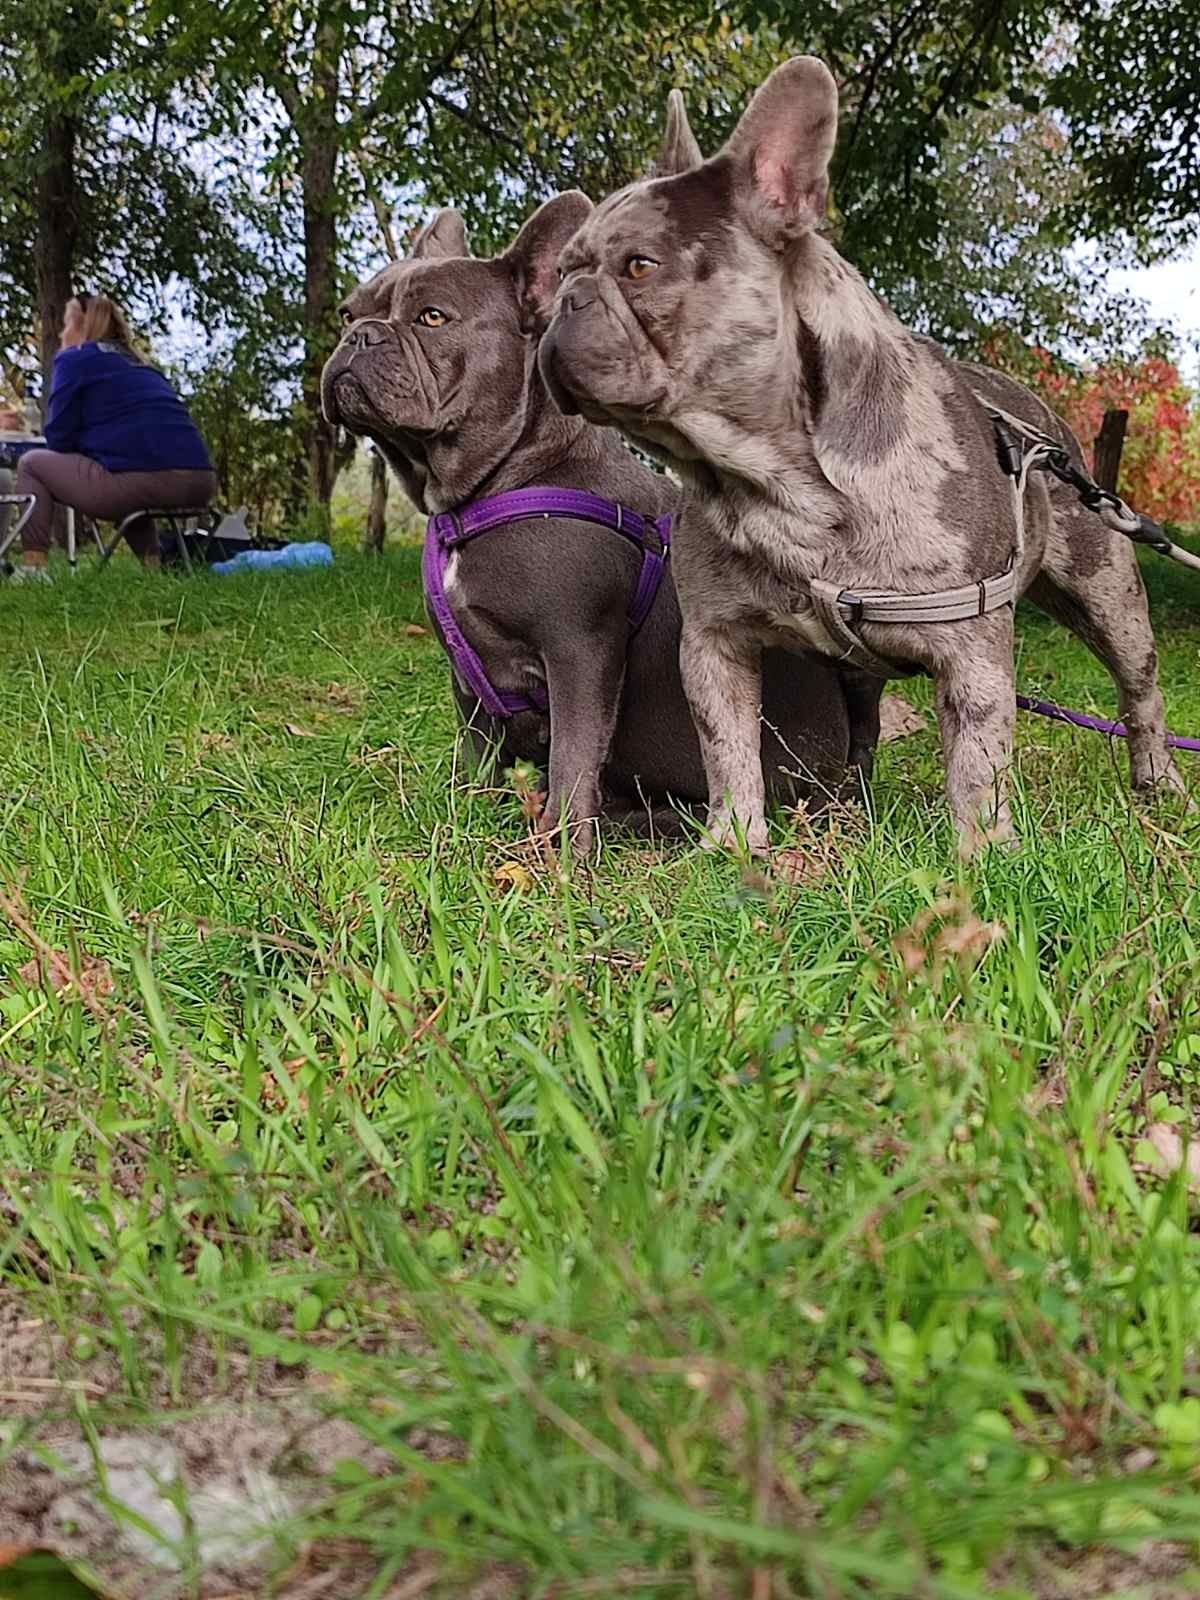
(449, 529)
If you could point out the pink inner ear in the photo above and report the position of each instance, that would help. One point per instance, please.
(535, 290)
(775, 179)
(542, 279)
(778, 181)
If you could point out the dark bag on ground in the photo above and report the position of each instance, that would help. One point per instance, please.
(227, 539)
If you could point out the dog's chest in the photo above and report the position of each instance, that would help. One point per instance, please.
(763, 561)
(508, 658)
(731, 584)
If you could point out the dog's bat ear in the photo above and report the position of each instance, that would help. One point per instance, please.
(533, 254)
(784, 142)
(444, 235)
(680, 151)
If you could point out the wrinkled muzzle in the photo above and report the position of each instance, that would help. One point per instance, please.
(371, 382)
(595, 360)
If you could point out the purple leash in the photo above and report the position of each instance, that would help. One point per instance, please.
(449, 529)
(1114, 730)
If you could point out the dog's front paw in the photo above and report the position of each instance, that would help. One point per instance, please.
(974, 837)
(579, 837)
(724, 831)
(1168, 783)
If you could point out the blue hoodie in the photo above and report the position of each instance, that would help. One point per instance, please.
(125, 415)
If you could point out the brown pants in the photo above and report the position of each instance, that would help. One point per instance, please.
(55, 477)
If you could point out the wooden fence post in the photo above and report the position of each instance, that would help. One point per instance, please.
(1110, 441)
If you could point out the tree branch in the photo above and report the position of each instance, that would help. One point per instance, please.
(472, 121)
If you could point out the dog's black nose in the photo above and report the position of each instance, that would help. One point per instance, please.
(366, 333)
(580, 295)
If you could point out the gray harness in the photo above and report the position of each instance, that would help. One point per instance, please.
(841, 611)
(1020, 448)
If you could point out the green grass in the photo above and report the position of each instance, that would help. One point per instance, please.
(736, 1239)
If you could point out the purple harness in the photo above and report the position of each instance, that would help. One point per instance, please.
(450, 529)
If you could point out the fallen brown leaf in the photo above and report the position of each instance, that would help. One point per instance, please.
(1169, 1148)
(897, 719)
(512, 875)
(272, 1095)
(55, 970)
(417, 1583)
(414, 630)
(345, 696)
(298, 732)
(799, 866)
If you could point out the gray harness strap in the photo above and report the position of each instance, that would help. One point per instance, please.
(841, 610)
(942, 605)
(833, 613)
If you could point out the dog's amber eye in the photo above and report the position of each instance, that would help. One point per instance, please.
(346, 317)
(431, 317)
(640, 267)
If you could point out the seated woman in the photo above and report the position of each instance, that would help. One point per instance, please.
(119, 438)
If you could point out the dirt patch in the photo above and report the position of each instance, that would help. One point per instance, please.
(213, 1502)
(204, 1504)
(216, 1495)
(1151, 1572)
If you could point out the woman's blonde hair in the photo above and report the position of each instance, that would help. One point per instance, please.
(104, 320)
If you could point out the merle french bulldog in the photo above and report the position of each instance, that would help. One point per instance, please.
(438, 365)
(836, 467)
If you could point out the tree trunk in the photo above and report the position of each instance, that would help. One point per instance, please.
(377, 515)
(1106, 452)
(318, 131)
(58, 219)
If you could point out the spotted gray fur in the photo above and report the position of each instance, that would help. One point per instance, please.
(820, 439)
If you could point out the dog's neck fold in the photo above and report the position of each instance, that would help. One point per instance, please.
(546, 448)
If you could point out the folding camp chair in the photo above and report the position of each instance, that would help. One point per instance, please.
(190, 527)
(192, 536)
(16, 525)
(10, 531)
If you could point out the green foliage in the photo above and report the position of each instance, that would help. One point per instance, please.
(1128, 84)
(152, 213)
(659, 1224)
(40, 1576)
(241, 398)
(1112, 87)
(255, 161)
(1004, 181)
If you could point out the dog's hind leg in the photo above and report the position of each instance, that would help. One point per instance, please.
(1090, 582)
(863, 692)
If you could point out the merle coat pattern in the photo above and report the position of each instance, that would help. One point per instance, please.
(438, 366)
(702, 311)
